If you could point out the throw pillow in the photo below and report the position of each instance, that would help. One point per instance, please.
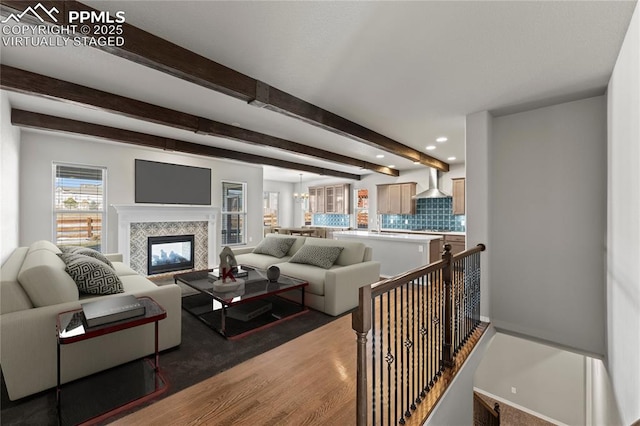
(276, 247)
(91, 275)
(322, 256)
(87, 252)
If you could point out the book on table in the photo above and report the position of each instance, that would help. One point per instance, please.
(112, 309)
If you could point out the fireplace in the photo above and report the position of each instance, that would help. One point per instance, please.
(170, 253)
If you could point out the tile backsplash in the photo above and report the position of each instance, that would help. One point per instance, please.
(335, 220)
(431, 213)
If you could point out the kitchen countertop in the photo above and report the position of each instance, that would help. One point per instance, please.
(405, 237)
(410, 231)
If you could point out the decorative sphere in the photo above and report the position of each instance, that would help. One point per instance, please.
(273, 273)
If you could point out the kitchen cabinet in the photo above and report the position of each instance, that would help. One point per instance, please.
(458, 195)
(457, 242)
(329, 199)
(397, 198)
(316, 199)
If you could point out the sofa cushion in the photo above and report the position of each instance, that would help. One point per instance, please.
(277, 247)
(12, 296)
(44, 245)
(352, 253)
(259, 261)
(322, 256)
(87, 252)
(44, 279)
(91, 275)
(312, 274)
(122, 269)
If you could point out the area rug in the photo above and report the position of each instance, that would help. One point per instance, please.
(203, 353)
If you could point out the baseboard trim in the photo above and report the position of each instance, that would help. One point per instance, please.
(519, 407)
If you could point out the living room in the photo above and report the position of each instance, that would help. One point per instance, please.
(27, 158)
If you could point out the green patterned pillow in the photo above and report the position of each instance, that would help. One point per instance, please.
(322, 256)
(91, 275)
(274, 246)
(87, 252)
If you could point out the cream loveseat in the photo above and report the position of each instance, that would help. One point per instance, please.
(35, 288)
(333, 290)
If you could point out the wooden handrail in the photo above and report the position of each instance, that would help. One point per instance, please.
(384, 286)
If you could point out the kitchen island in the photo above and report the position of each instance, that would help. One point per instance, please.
(397, 253)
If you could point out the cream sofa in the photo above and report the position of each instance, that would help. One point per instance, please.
(35, 288)
(332, 291)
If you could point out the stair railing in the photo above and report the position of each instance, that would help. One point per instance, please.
(409, 329)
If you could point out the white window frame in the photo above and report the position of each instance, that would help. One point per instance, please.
(243, 213)
(56, 210)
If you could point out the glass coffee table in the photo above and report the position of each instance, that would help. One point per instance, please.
(252, 306)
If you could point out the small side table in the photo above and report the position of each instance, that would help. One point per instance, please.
(71, 327)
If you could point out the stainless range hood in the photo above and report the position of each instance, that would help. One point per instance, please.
(432, 191)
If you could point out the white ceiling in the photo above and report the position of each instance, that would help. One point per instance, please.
(411, 71)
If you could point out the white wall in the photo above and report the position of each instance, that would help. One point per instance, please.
(9, 180)
(39, 150)
(547, 198)
(478, 136)
(456, 405)
(548, 381)
(623, 226)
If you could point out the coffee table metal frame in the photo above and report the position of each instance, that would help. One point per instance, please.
(256, 286)
(71, 327)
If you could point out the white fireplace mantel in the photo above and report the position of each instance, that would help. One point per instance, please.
(142, 213)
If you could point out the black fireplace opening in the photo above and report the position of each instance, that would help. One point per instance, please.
(170, 253)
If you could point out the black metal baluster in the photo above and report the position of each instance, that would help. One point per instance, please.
(373, 358)
(389, 357)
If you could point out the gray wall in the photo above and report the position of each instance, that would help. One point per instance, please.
(623, 226)
(548, 381)
(39, 150)
(9, 180)
(547, 204)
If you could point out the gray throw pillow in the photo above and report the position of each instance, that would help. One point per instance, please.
(276, 247)
(322, 256)
(91, 275)
(87, 252)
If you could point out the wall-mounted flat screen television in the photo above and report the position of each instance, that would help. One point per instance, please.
(164, 183)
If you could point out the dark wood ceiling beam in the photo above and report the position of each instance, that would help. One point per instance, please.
(284, 103)
(152, 51)
(34, 120)
(26, 82)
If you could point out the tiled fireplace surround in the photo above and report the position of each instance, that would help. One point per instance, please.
(137, 222)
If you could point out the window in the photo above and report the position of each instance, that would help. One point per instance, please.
(270, 208)
(233, 213)
(79, 206)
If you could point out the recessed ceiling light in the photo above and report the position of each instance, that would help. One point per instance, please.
(431, 147)
(235, 123)
(442, 139)
(391, 166)
(416, 162)
(451, 158)
(379, 156)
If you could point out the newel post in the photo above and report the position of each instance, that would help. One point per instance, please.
(361, 324)
(447, 355)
